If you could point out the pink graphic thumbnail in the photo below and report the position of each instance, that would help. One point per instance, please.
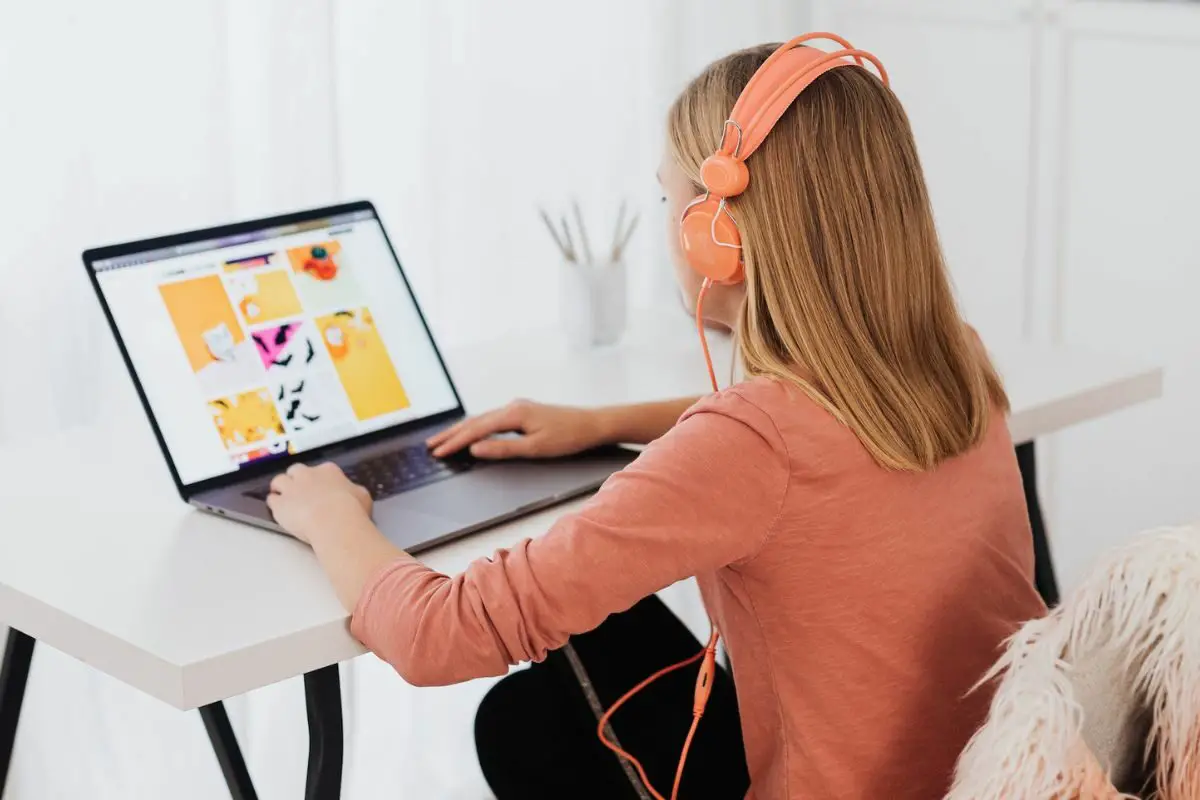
(271, 342)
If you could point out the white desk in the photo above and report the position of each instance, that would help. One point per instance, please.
(99, 558)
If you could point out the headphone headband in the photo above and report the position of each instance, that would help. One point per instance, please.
(778, 82)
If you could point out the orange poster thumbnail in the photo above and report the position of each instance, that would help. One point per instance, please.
(204, 320)
(214, 343)
(362, 363)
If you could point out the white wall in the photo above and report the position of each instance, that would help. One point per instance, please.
(1059, 143)
(1128, 265)
(460, 119)
(82, 162)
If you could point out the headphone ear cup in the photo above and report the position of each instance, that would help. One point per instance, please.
(724, 175)
(721, 263)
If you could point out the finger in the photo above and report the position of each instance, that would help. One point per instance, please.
(330, 468)
(364, 497)
(464, 433)
(516, 408)
(280, 482)
(446, 433)
(495, 449)
(273, 503)
(296, 469)
(457, 428)
(481, 427)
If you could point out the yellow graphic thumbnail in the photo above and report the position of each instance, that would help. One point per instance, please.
(362, 363)
(246, 418)
(264, 296)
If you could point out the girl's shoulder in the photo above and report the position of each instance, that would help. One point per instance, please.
(784, 400)
(778, 409)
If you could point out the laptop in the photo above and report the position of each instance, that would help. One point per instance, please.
(297, 338)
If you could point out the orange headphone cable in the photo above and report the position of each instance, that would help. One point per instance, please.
(703, 687)
(712, 376)
(709, 654)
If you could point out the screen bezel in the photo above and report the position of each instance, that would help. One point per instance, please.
(272, 465)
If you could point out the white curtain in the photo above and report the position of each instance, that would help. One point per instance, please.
(130, 118)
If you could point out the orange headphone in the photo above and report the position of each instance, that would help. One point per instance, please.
(712, 245)
(708, 232)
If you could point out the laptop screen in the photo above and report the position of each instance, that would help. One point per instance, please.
(274, 341)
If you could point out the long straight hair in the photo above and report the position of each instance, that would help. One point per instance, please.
(847, 292)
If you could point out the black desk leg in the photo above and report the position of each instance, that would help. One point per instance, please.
(14, 673)
(229, 755)
(323, 696)
(1043, 564)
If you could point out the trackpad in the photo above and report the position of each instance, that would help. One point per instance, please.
(501, 489)
(470, 498)
(408, 528)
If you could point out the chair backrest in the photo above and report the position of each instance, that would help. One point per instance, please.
(1116, 720)
(1103, 687)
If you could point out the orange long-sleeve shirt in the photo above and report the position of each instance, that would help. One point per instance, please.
(858, 605)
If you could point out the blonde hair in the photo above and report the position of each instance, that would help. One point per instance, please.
(847, 293)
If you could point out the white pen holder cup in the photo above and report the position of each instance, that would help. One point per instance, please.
(593, 299)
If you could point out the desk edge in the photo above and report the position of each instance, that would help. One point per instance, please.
(1086, 405)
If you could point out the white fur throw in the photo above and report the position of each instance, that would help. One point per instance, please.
(1105, 684)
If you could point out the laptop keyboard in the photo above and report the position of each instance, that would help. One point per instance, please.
(394, 472)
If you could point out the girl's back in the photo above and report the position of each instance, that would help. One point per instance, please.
(874, 603)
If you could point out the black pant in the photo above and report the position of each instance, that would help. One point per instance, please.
(535, 731)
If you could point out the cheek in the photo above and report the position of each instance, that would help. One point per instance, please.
(689, 282)
(688, 279)
(671, 230)
(678, 261)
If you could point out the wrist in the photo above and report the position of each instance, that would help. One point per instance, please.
(606, 425)
(352, 555)
(348, 532)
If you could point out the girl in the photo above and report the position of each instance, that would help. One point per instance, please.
(853, 510)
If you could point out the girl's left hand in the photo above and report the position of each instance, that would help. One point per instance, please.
(310, 502)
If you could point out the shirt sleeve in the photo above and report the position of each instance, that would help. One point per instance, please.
(702, 497)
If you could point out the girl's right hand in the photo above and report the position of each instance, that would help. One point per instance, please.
(545, 432)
